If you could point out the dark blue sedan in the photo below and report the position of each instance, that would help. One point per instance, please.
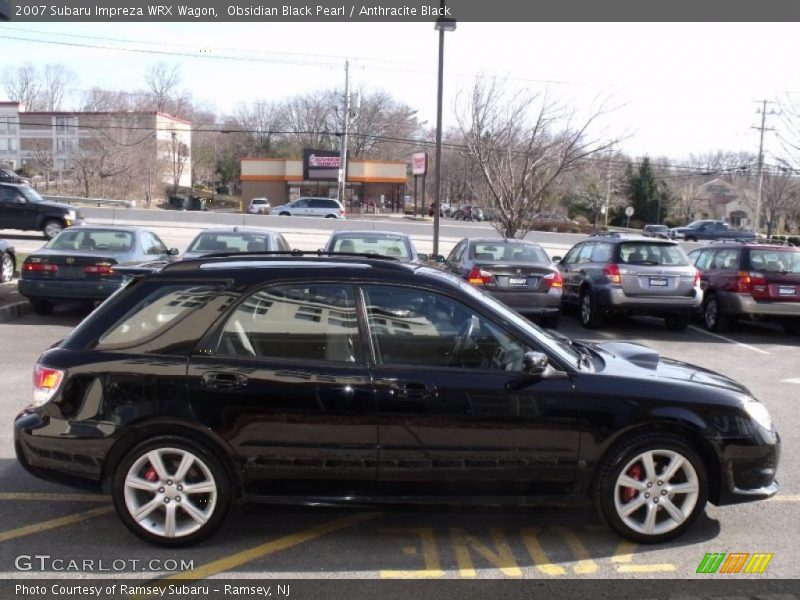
(78, 264)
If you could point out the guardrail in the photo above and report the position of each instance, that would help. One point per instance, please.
(78, 201)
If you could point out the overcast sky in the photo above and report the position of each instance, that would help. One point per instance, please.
(680, 89)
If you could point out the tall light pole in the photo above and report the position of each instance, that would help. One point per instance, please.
(442, 24)
(343, 154)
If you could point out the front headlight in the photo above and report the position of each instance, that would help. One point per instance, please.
(759, 413)
(72, 215)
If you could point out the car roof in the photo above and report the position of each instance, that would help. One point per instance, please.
(624, 237)
(368, 232)
(245, 230)
(120, 228)
(501, 241)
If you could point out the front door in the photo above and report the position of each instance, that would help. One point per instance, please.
(456, 412)
(286, 385)
(15, 210)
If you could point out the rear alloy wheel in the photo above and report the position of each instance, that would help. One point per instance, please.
(677, 321)
(712, 318)
(42, 307)
(7, 268)
(792, 326)
(284, 214)
(652, 489)
(52, 228)
(591, 318)
(171, 492)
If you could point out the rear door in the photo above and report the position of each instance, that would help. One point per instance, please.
(573, 269)
(285, 379)
(655, 269)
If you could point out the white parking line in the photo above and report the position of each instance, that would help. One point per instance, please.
(792, 380)
(729, 340)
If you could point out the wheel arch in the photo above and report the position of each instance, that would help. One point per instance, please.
(688, 429)
(151, 429)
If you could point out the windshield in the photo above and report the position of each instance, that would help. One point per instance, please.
(396, 246)
(775, 261)
(515, 252)
(642, 253)
(228, 242)
(31, 194)
(106, 240)
(559, 347)
(656, 228)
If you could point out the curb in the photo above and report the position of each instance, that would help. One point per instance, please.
(14, 311)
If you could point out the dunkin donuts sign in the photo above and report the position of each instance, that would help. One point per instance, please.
(321, 165)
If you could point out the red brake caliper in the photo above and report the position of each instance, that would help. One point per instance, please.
(150, 474)
(628, 493)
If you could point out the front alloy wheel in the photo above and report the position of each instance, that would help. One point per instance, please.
(712, 318)
(171, 493)
(52, 228)
(591, 318)
(652, 490)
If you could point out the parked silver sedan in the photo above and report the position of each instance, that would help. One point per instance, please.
(236, 239)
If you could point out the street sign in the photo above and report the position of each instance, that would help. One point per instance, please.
(629, 211)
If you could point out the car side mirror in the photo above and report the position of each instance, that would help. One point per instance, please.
(439, 258)
(173, 252)
(422, 257)
(534, 363)
(556, 259)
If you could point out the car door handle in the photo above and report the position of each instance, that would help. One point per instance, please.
(222, 381)
(413, 391)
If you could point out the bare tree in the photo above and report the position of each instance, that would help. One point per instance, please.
(521, 145)
(56, 81)
(381, 125)
(43, 161)
(179, 154)
(162, 82)
(260, 124)
(780, 197)
(311, 121)
(22, 84)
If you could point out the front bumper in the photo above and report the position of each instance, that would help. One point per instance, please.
(748, 469)
(69, 289)
(614, 298)
(745, 304)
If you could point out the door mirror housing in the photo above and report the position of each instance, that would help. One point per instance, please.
(439, 258)
(556, 259)
(422, 257)
(173, 252)
(535, 363)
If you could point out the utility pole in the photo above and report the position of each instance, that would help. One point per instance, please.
(343, 155)
(762, 129)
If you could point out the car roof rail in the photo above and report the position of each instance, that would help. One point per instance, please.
(193, 263)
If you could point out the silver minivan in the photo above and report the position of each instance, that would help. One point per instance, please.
(312, 207)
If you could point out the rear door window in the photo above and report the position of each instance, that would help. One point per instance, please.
(727, 259)
(667, 255)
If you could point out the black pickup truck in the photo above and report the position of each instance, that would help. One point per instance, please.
(708, 230)
(21, 207)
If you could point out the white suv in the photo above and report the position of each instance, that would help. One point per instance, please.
(312, 207)
(258, 206)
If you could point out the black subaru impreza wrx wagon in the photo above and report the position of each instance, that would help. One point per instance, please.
(346, 379)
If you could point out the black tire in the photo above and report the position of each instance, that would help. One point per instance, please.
(713, 319)
(620, 457)
(691, 239)
(42, 307)
(167, 445)
(792, 326)
(284, 214)
(590, 315)
(7, 267)
(550, 321)
(677, 321)
(330, 216)
(52, 227)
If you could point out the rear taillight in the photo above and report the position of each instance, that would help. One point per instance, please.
(38, 267)
(99, 269)
(748, 282)
(554, 280)
(479, 277)
(612, 272)
(696, 277)
(45, 384)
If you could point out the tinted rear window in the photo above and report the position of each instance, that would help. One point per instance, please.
(106, 240)
(643, 253)
(774, 260)
(228, 242)
(396, 246)
(509, 252)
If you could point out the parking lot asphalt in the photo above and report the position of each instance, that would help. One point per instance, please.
(41, 518)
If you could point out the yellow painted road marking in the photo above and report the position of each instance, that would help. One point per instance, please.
(585, 563)
(539, 556)
(785, 498)
(283, 543)
(655, 568)
(430, 554)
(53, 523)
(37, 496)
(502, 559)
(624, 552)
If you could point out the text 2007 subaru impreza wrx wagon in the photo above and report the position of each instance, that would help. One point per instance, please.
(337, 379)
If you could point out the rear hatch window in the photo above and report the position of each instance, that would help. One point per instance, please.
(643, 253)
(773, 260)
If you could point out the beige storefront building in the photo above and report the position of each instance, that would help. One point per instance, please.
(368, 182)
